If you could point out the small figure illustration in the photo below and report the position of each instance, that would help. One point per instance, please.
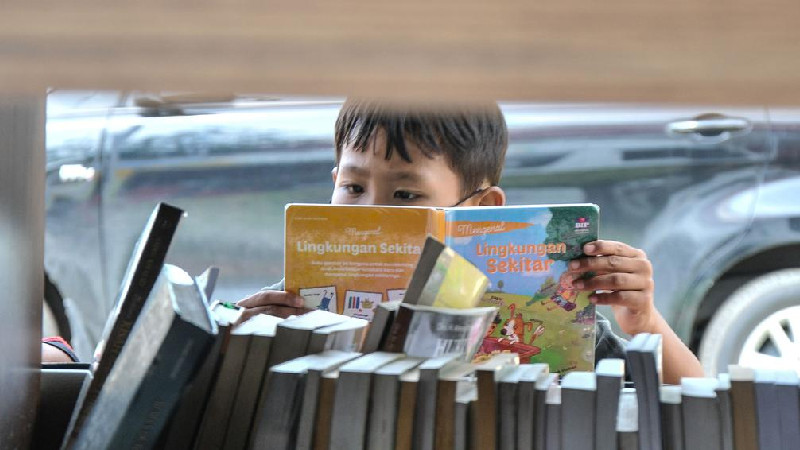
(324, 304)
(564, 295)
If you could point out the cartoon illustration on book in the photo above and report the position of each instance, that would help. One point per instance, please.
(525, 252)
(323, 298)
(395, 294)
(361, 304)
(564, 295)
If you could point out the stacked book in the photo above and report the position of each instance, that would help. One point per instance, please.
(179, 372)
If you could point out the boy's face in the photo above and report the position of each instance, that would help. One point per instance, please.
(367, 178)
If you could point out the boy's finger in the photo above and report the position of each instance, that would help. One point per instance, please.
(273, 310)
(629, 299)
(614, 282)
(608, 248)
(610, 264)
(265, 298)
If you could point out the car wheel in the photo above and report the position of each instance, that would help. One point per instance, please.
(757, 326)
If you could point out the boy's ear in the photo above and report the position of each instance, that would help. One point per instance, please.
(492, 196)
(334, 173)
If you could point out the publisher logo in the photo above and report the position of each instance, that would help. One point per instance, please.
(582, 225)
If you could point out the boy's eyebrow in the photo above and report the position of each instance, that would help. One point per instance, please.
(411, 177)
(354, 170)
(406, 176)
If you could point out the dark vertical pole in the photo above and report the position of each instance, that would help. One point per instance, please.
(22, 165)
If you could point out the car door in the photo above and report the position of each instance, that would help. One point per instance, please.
(75, 127)
(232, 168)
(659, 174)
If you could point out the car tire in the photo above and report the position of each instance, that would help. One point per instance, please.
(738, 333)
(54, 302)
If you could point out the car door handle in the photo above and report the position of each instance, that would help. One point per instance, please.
(710, 125)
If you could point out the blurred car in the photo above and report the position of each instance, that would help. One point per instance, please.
(711, 194)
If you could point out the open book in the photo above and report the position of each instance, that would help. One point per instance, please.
(349, 259)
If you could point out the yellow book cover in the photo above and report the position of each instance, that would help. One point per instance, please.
(348, 259)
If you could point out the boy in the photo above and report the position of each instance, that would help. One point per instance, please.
(387, 156)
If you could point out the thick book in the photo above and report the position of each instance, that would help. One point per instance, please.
(428, 332)
(628, 420)
(743, 405)
(578, 397)
(786, 385)
(447, 390)
(540, 407)
(143, 269)
(222, 395)
(610, 377)
(283, 395)
(526, 402)
(769, 421)
(353, 258)
(723, 392)
(508, 398)
(444, 279)
(671, 417)
(384, 402)
(553, 423)
(488, 371)
(702, 427)
(261, 328)
(318, 365)
(424, 418)
(184, 424)
(165, 348)
(380, 326)
(294, 334)
(466, 398)
(346, 336)
(643, 355)
(351, 401)
(406, 410)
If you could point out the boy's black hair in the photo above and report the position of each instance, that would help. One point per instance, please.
(472, 139)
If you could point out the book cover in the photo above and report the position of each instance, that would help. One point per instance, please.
(143, 269)
(167, 345)
(524, 250)
(348, 259)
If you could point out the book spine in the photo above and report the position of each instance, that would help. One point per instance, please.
(175, 364)
(322, 433)
(395, 340)
(156, 240)
(743, 403)
(248, 393)
(183, 427)
(405, 415)
(445, 415)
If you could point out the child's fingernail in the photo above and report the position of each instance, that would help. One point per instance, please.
(588, 248)
(577, 284)
(574, 264)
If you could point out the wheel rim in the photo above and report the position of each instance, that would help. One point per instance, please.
(775, 342)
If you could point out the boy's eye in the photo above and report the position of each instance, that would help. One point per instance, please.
(354, 189)
(405, 195)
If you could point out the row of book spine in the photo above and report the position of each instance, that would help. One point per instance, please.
(335, 400)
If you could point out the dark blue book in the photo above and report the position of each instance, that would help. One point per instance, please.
(169, 341)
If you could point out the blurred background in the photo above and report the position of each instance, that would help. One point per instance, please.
(709, 192)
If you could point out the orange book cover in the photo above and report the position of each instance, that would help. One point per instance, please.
(347, 259)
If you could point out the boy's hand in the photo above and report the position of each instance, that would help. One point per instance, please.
(627, 276)
(277, 303)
